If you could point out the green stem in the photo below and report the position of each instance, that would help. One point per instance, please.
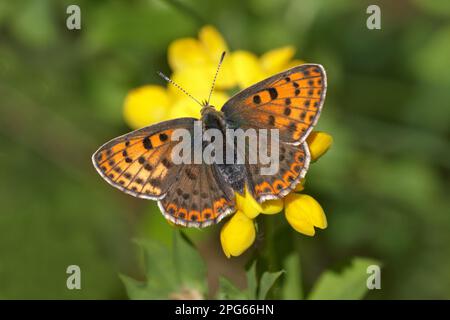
(297, 252)
(269, 244)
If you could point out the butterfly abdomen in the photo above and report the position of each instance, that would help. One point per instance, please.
(234, 175)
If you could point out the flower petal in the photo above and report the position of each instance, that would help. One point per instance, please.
(213, 42)
(184, 107)
(194, 80)
(272, 206)
(218, 99)
(301, 186)
(277, 60)
(300, 225)
(186, 52)
(319, 142)
(252, 208)
(247, 69)
(237, 235)
(248, 205)
(226, 78)
(304, 213)
(146, 105)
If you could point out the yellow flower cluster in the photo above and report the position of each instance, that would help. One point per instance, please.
(193, 63)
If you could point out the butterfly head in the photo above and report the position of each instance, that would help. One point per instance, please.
(208, 109)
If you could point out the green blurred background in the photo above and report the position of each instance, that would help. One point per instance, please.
(384, 184)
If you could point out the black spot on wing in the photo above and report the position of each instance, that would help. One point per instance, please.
(273, 93)
(166, 163)
(163, 137)
(147, 143)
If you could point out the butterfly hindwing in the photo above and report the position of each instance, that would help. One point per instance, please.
(139, 163)
(199, 198)
(292, 166)
(290, 101)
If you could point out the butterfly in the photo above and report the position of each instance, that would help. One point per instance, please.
(198, 195)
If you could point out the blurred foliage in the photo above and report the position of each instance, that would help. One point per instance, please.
(166, 276)
(350, 284)
(384, 184)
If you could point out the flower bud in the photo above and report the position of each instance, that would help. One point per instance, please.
(237, 235)
(304, 213)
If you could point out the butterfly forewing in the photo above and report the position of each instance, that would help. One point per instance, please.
(290, 102)
(139, 163)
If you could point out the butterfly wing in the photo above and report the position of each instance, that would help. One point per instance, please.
(139, 163)
(292, 167)
(200, 198)
(290, 101)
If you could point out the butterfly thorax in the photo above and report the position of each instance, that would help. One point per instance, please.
(212, 118)
(233, 174)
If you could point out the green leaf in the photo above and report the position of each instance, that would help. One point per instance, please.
(266, 282)
(137, 290)
(228, 290)
(159, 267)
(349, 284)
(252, 283)
(292, 288)
(184, 253)
(168, 271)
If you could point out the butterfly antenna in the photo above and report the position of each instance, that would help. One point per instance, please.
(215, 76)
(162, 75)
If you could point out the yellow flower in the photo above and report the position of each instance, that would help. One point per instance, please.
(249, 69)
(319, 142)
(144, 105)
(301, 186)
(237, 235)
(251, 208)
(272, 206)
(248, 205)
(304, 213)
(193, 63)
(185, 107)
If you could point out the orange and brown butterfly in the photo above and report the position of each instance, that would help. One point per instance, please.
(198, 195)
